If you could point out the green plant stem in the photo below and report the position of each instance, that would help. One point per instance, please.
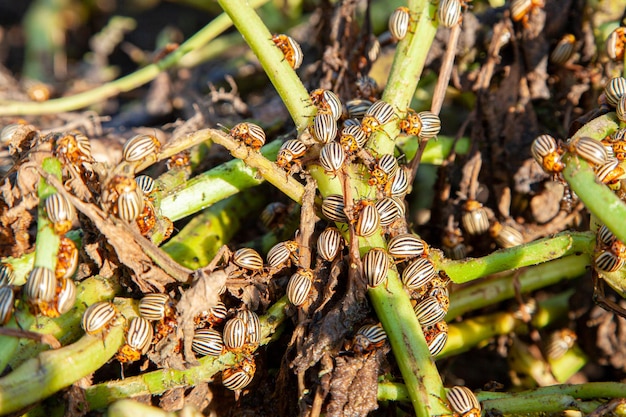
(157, 382)
(47, 242)
(51, 371)
(418, 369)
(406, 70)
(228, 179)
(469, 333)
(199, 241)
(543, 250)
(126, 83)
(492, 291)
(283, 77)
(525, 401)
(66, 328)
(598, 198)
(436, 151)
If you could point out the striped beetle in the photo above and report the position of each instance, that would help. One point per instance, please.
(235, 334)
(418, 273)
(352, 138)
(463, 402)
(406, 246)
(7, 298)
(40, 288)
(327, 102)
(387, 210)
(521, 9)
(290, 49)
(591, 150)
(398, 185)
(379, 114)
(156, 307)
(616, 43)
(140, 147)
(299, 286)
(614, 90)
(280, 254)
(248, 133)
(375, 267)
(386, 167)
(98, 317)
(207, 342)
(324, 128)
(399, 22)
(506, 236)
(290, 152)
(333, 208)
(429, 311)
(607, 261)
(474, 219)
(240, 376)
(368, 219)
(547, 154)
(66, 295)
(138, 339)
(253, 327)
(358, 108)
(6, 274)
(332, 157)
(125, 198)
(559, 342)
(60, 212)
(436, 337)
(563, 50)
(248, 258)
(424, 124)
(329, 243)
(449, 12)
(369, 338)
(146, 183)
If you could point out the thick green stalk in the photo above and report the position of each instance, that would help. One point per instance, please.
(418, 369)
(542, 250)
(66, 328)
(47, 243)
(199, 241)
(556, 398)
(598, 198)
(47, 248)
(53, 370)
(285, 80)
(226, 180)
(406, 70)
(159, 381)
(469, 333)
(126, 83)
(436, 151)
(492, 291)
